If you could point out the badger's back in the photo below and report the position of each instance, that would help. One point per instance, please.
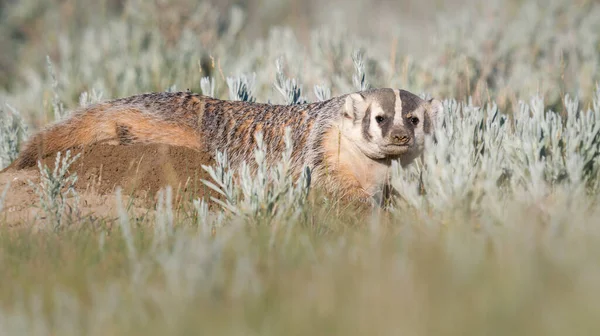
(169, 118)
(231, 126)
(182, 119)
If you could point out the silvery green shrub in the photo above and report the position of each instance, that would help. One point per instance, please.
(54, 189)
(13, 133)
(483, 155)
(242, 88)
(265, 194)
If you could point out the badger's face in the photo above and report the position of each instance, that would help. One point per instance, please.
(389, 124)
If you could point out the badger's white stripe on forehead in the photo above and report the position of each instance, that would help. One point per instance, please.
(398, 120)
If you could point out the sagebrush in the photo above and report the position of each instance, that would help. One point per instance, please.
(496, 229)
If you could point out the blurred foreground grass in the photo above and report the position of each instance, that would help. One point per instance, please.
(400, 276)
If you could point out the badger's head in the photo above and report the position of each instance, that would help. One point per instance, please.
(388, 123)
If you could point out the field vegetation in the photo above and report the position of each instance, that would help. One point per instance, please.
(495, 233)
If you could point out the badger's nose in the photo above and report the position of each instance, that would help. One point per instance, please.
(400, 136)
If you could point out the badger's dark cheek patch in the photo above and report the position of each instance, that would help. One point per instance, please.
(366, 124)
(386, 126)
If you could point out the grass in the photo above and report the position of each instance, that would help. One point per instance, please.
(425, 280)
(496, 233)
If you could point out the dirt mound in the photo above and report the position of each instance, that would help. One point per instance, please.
(141, 170)
(138, 168)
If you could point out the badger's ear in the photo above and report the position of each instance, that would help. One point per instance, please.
(436, 112)
(355, 107)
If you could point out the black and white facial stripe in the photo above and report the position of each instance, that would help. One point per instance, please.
(381, 112)
(389, 122)
(392, 111)
(411, 102)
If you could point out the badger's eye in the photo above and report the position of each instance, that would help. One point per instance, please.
(414, 121)
(379, 119)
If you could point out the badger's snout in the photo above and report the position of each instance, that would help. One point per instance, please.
(400, 136)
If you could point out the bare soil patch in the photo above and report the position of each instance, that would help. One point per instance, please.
(141, 170)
